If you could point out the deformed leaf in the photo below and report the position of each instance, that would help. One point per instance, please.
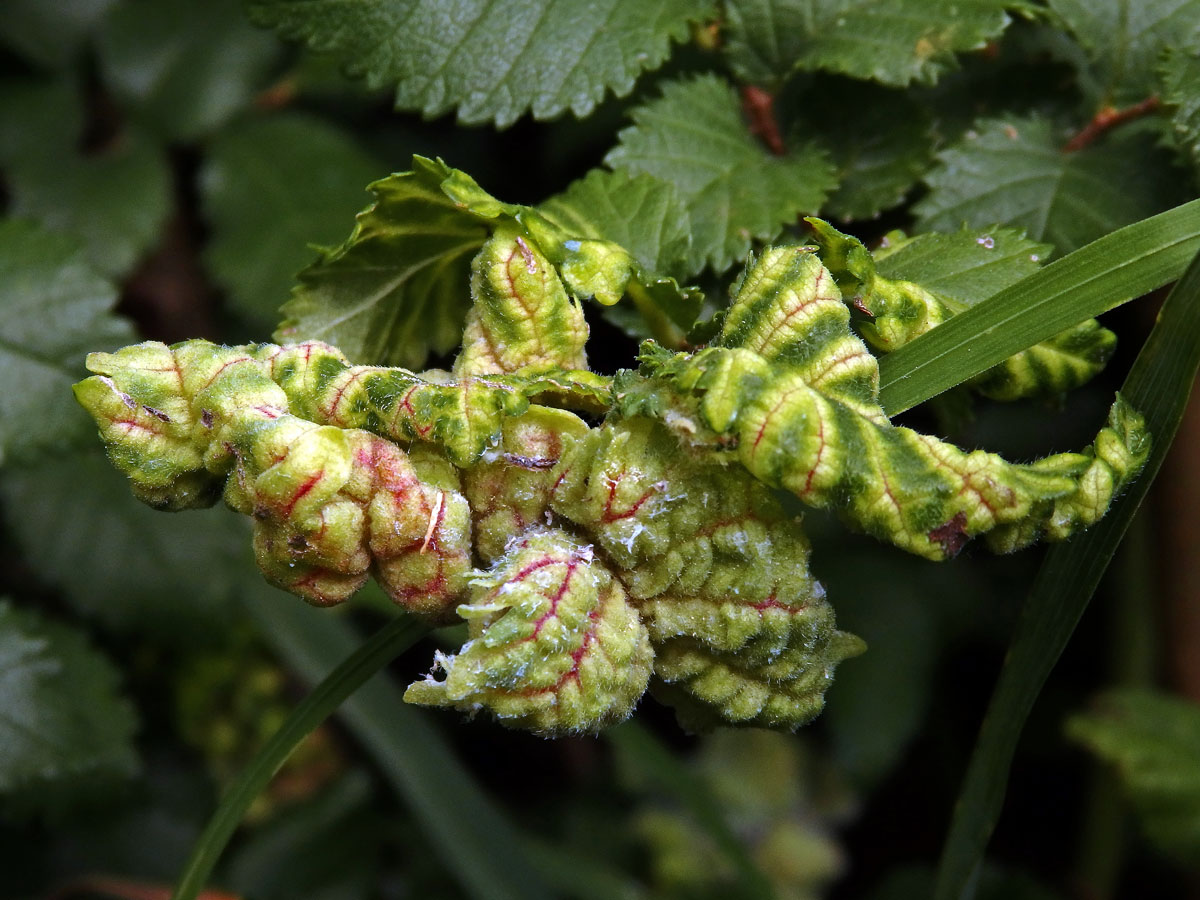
(644, 215)
(271, 188)
(968, 266)
(735, 190)
(492, 60)
(63, 724)
(1154, 742)
(1015, 172)
(398, 288)
(54, 307)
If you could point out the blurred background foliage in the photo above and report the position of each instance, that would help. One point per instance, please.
(166, 167)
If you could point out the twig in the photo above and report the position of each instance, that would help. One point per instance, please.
(759, 106)
(1110, 117)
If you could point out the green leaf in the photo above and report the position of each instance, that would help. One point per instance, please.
(880, 152)
(271, 188)
(133, 568)
(1159, 385)
(760, 38)
(492, 60)
(694, 137)
(63, 724)
(1014, 172)
(49, 34)
(894, 43)
(968, 265)
(114, 202)
(1125, 40)
(1108, 272)
(1180, 76)
(1154, 741)
(398, 288)
(53, 308)
(183, 66)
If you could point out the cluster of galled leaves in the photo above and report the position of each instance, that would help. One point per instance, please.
(650, 545)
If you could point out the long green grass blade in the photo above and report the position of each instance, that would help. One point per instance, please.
(478, 846)
(353, 672)
(1115, 269)
(694, 796)
(1159, 385)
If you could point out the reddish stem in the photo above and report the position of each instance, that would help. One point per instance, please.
(1110, 117)
(759, 106)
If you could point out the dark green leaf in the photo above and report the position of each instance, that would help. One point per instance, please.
(63, 724)
(1113, 270)
(734, 188)
(1125, 40)
(761, 36)
(1015, 172)
(54, 308)
(271, 188)
(490, 60)
(894, 43)
(49, 34)
(880, 152)
(1158, 385)
(114, 202)
(135, 569)
(183, 66)
(1154, 741)
(1181, 93)
(968, 265)
(49, 113)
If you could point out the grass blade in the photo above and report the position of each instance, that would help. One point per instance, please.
(354, 671)
(1119, 267)
(476, 843)
(1158, 385)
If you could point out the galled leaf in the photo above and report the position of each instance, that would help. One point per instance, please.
(398, 288)
(734, 188)
(490, 61)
